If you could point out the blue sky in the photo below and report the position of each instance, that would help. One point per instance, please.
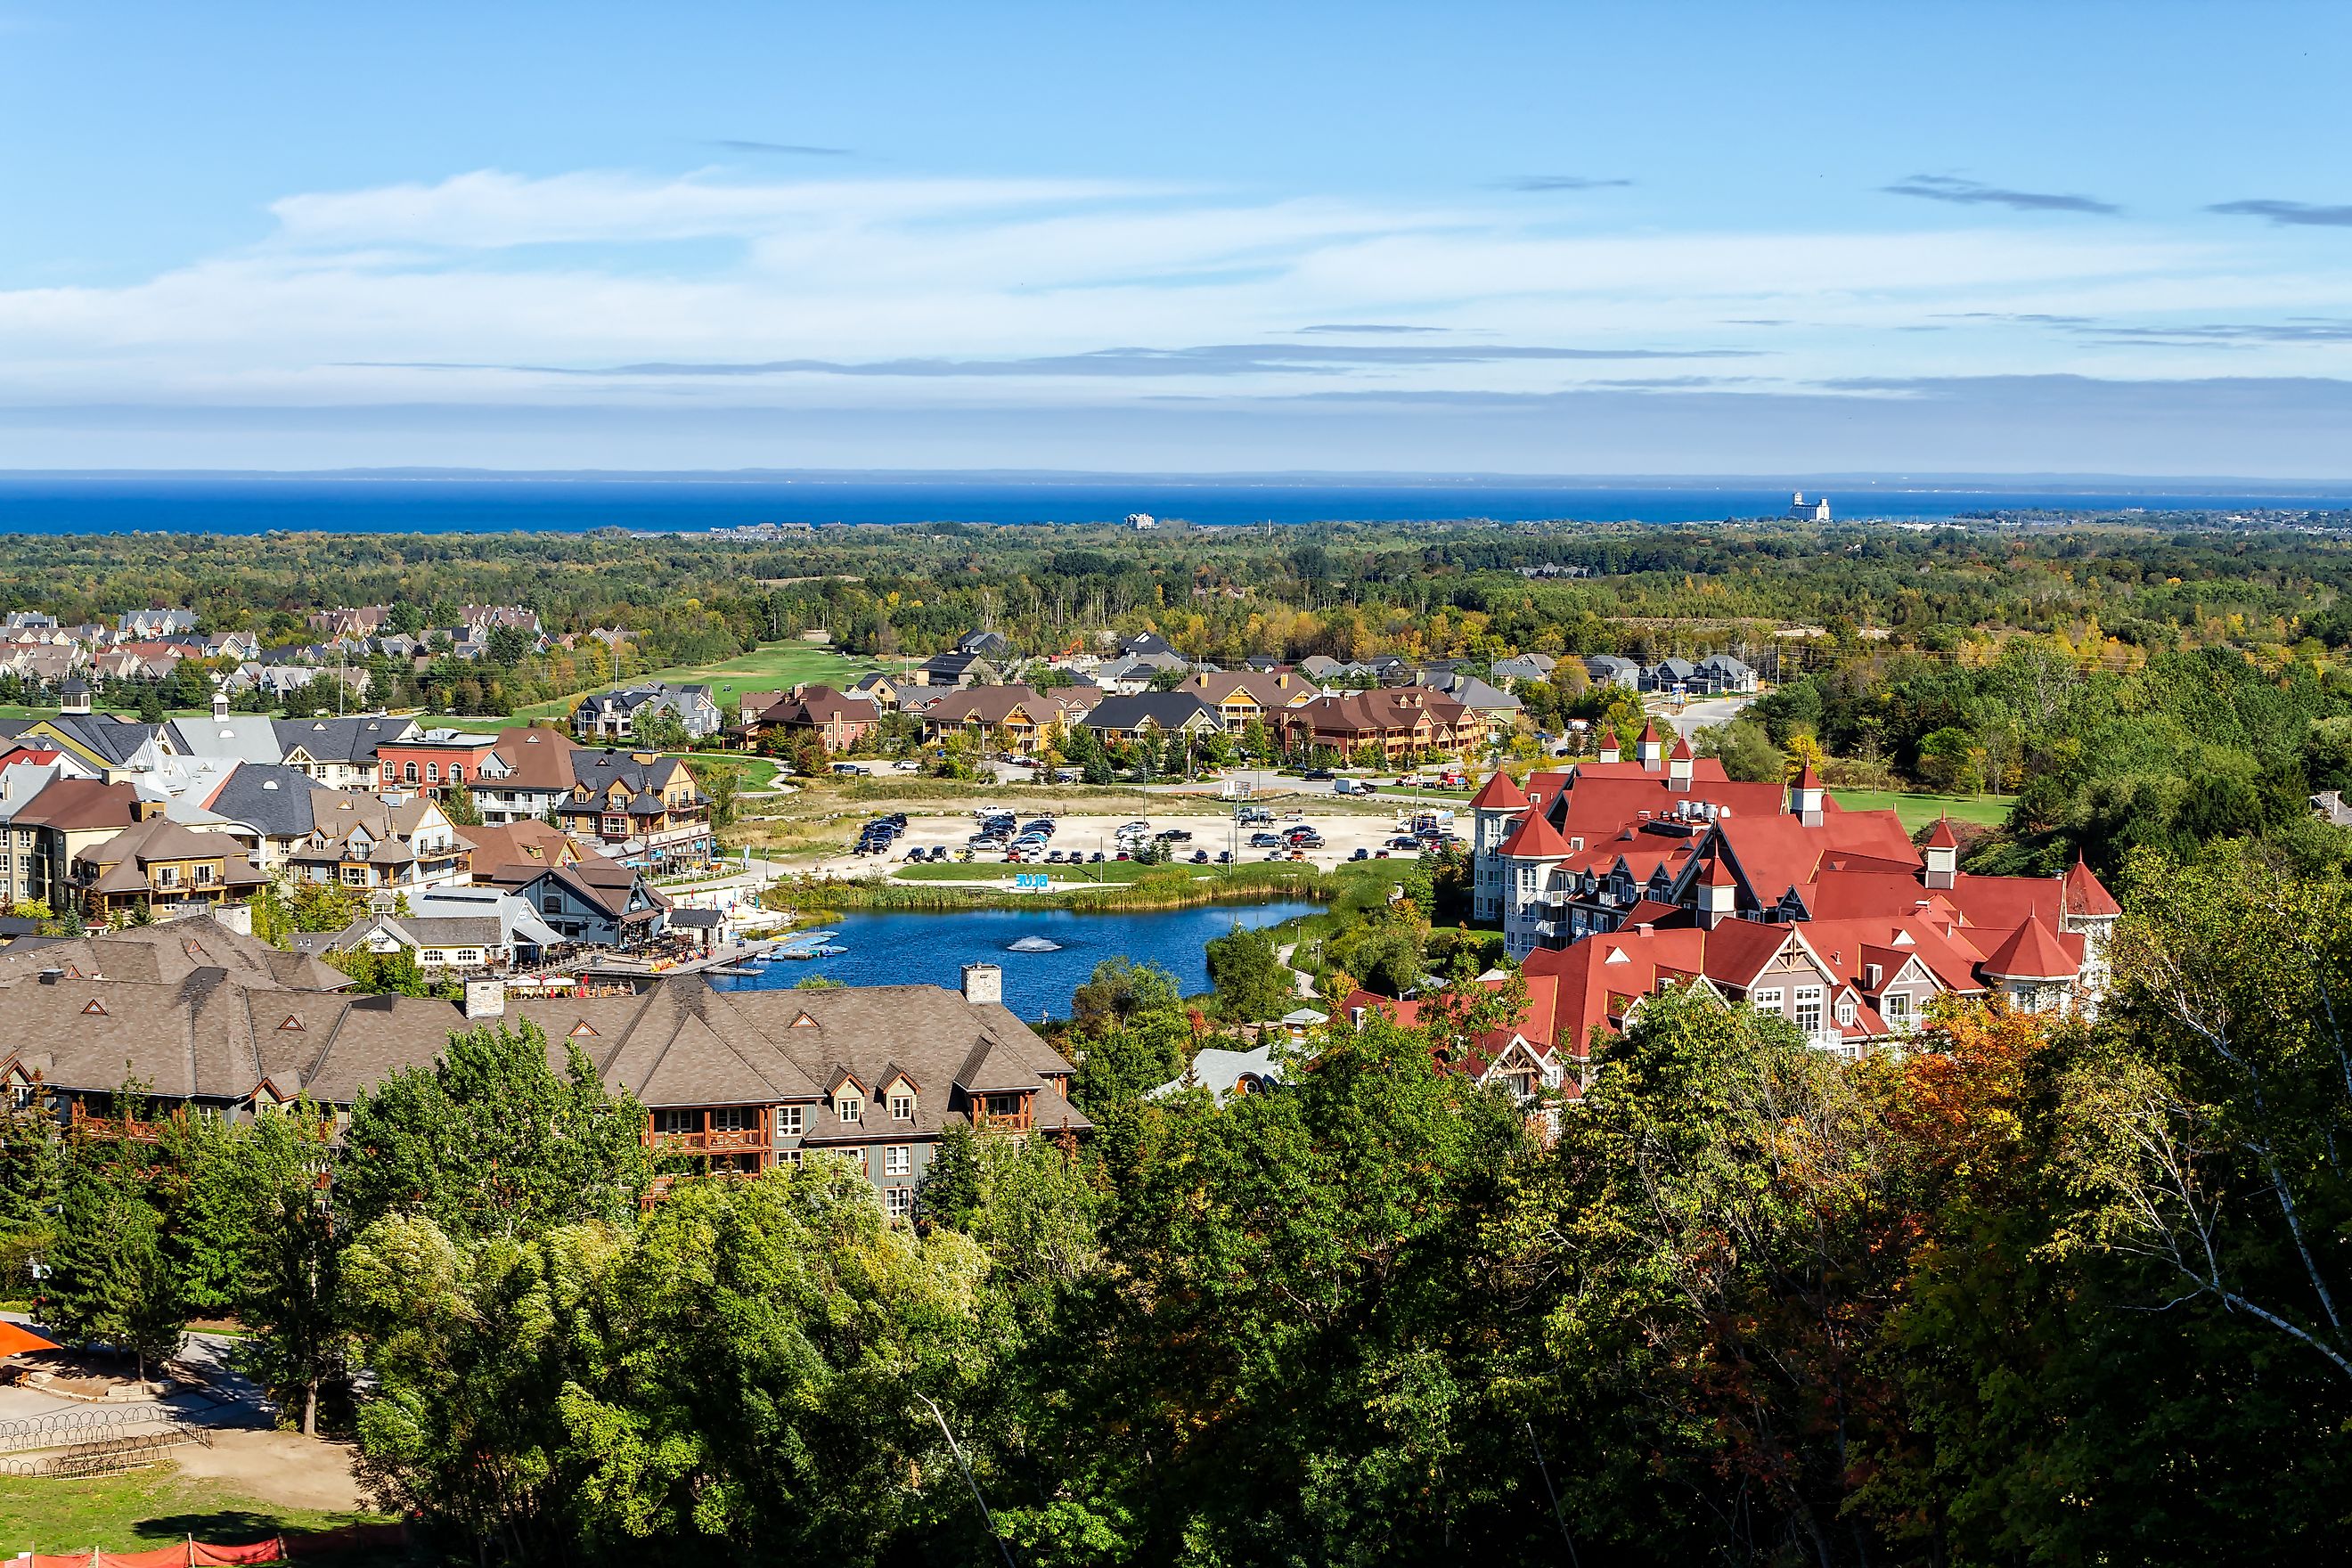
(2078, 238)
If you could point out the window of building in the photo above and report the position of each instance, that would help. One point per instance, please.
(408, 772)
(552, 903)
(677, 1122)
(206, 876)
(897, 1202)
(895, 1160)
(1767, 999)
(1845, 1010)
(902, 1108)
(847, 1108)
(734, 1119)
(167, 876)
(1897, 1006)
(470, 956)
(433, 773)
(1809, 1007)
(788, 1120)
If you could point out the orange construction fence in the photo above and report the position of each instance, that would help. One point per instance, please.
(294, 1544)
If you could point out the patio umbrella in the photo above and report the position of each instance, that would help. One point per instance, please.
(15, 1341)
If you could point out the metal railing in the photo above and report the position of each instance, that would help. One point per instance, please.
(105, 1456)
(59, 1427)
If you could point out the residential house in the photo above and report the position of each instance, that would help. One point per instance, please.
(986, 645)
(1012, 719)
(838, 721)
(1720, 673)
(538, 776)
(1242, 696)
(463, 931)
(1399, 722)
(958, 669)
(366, 621)
(637, 807)
(881, 690)
(139, 625)
(609, 715)
(1153, 715)
(381, 847)
(1497, 707)
(161, 866)
(1608, 669)
(68, 818)
(266, 806)
(1508, 672)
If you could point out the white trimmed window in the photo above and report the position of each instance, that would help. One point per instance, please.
(1896, 1007)
(902, 1108)
(1766, 999)
(897, 1202)
(895, 1160)
(1809, 1007)
(788, 1120)
(847, 1108)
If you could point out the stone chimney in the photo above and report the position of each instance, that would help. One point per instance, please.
(485, 999)
(238, 918)
(983, 983)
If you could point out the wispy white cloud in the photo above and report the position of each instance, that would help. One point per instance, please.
(1080, 291)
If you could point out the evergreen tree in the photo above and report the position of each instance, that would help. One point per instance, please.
(110, 1280)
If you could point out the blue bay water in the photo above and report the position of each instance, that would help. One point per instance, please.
(380, 503)
(932, 949)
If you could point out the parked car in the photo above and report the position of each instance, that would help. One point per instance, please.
(1224, 856)
(847, 768)
(1173, 836)
(1095, 858)
(1361, 854)
(1319, 776)
(1200, 856)
(1265, 840)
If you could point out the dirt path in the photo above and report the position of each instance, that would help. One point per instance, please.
(282, 1467)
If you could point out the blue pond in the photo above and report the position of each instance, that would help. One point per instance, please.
(917, 949)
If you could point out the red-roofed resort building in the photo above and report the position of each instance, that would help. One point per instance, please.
(1613, 879)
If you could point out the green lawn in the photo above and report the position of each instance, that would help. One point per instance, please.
(757, 773)
(769, 668)
(1918, 810)
(153, 1506)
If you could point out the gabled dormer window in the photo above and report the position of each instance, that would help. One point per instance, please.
(902, 1106)
(848, 1108)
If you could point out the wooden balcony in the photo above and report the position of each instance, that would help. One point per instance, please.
(1004, 1114)
(86, 1125)
(705, 1138)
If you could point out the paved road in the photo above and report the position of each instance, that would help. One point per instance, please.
(1706, 711)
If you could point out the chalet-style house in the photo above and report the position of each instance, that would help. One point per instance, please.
(537, 779)
(1243, 696)
(209, 1020)
(638, 807)
(1619, 876)
(608, 716)
(68, 818)
(381, 848)
(837, 720)
(1007, 717)
(592, 902)
(1121, 720)
(162, 867)
(1399, 722)
(957, 667)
